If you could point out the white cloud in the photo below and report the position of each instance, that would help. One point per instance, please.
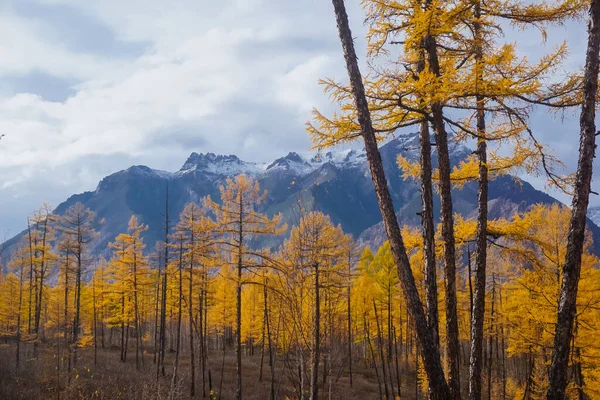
(233, 76)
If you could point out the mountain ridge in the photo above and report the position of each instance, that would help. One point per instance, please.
(336, 182)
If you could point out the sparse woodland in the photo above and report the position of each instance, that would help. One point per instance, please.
(465, 308)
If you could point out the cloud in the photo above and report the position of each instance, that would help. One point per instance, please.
(91, 87)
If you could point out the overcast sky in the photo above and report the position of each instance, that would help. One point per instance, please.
(90, 87)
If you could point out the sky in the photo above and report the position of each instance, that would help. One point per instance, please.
(88, 88)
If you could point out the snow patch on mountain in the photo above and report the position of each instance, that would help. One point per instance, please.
(301, 165)
(220, 165)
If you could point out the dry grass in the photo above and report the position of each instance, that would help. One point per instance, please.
(112, 379)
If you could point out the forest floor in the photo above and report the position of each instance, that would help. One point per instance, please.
(40, 378)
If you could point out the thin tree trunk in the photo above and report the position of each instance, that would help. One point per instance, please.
(123, 326)
(156, 302)
(30, 275)
(428, 231)
(503, 352)
(238, 305)
(263, 331)
(79, 255)
(136, 310)
(191, 316)
(572, 267)
(95, 329)
(349, 317)
(372, 351)
(18, 351)
(380, 342)
(490, 339)
(431, 355)
(476, 363)
(160, 369)
(316, 354)
(398, 378)
(179, 312)
(271, 353)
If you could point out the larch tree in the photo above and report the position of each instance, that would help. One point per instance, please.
(318, 247)
(326, 135)
(239, 220)
(575, 240)
(196, 235)
(79, 223)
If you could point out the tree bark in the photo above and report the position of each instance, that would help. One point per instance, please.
(446, 215)
(478, 314)
(238, 304)
(316, 354)
(576, 236)
(191, 316)
(160, 368)
(431, 355)
(428, 231)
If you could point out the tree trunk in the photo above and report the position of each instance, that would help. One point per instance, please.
(95, 323)
(179, 314)
(30, 275)
(160, 368)
(136, 311)
(271, 353)
(428, 232)
(190, 316)
(156, 302)
(316, 354)
(18, 351)
(475, 365)
(79, 255)
(576, 235)
(349, 317)
(447, 220)
(431, 355)
(238, 306)
(380, 343)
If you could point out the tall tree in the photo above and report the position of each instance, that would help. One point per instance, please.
(572, 266)
(79, 223)
(430, 352)
(239, 220)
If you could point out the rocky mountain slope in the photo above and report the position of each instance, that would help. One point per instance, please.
(337, 183)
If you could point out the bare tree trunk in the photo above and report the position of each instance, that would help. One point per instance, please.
(503, 351)
(431, 355)
(475, 366)
(179, 313)
(372, 351)
(380, 342)
(156, 303)
(349, 317)
(191, 316)
(160, 368)
(428, 231)
(30, 275)
(238, 305)
(398, 381)
(316, 354)
(95, 329)
(18, 352)
(572, 267)
(490, 339)
(271, 353)
(136, 311)
(79, 255)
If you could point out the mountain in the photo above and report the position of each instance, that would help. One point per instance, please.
(594, 214)
(337, 183)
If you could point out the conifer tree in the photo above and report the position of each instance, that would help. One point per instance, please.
(239, 221)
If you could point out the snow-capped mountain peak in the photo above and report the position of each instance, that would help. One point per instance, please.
(228, 165)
